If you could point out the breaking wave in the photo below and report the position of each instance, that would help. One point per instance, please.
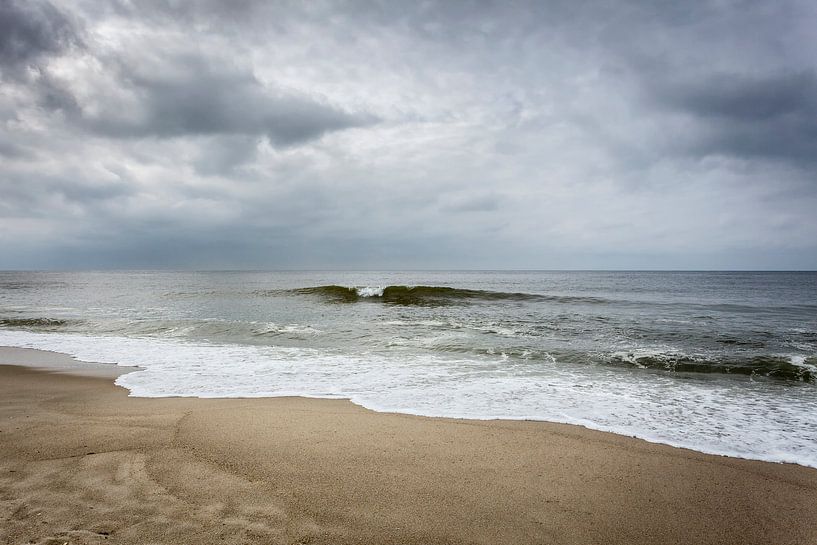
(794, 368)
(429, 295)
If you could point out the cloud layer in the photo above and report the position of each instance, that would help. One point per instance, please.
(389, 135)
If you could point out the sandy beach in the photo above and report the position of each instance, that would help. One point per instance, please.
(81, 462)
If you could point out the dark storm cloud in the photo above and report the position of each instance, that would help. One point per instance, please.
(758, 115)
(202, 98)
(752, 98)
(30, 29)
(196, 95)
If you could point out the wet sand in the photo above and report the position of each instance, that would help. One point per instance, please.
(80, 462)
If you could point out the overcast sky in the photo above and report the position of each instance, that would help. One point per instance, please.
(545, 134)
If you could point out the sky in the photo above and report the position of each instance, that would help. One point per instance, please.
(550, 134)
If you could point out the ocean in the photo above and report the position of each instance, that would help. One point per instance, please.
(719, 362)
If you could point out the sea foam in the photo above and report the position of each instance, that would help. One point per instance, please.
(369, 291)
(773, 422)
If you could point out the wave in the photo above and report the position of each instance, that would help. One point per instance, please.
(34, 322)
(781, 368)
(791, 368)
(26, 285)
(428, 295)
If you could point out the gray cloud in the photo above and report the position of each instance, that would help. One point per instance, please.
(768, 115)
(195, 94)
(201, 99)
(472, 203)
(224, 155)
(41, 194)
(745, 98)
(391, 134)
(31, 29)
(8, 148)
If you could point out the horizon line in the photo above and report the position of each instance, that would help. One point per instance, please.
(391, 270)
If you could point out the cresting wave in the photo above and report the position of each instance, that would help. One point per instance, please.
(792, 368)
(428, 295)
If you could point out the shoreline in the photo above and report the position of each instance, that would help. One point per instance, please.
(59, 362)
(82, 462)
(62, 362)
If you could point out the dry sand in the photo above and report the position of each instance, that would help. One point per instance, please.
(80, 462)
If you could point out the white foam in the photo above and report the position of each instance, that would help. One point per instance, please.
(291, 329)
(760, 420)
(369, 291)
(800, 361)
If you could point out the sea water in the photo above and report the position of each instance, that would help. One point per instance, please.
(720, 362)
